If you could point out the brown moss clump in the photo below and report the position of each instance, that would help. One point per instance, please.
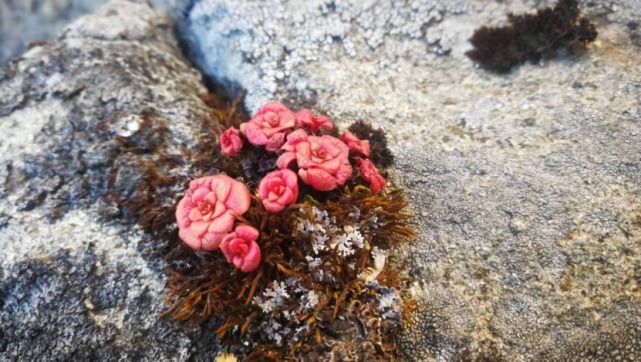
(311, 297)
(532, 37)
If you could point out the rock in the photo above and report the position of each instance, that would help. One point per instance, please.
(95, 126)
(26, 23)
(526, 187)
(29, 21)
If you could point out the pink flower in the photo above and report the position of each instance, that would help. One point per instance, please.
(240, 248)
(306, 118)
(205, 214)
(356, 144)
(278, 189)
(230, 142)
(369, 173)
(269, 125)
(322, 161)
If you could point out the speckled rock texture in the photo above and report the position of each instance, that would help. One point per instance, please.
(83, 120)
(526, 187)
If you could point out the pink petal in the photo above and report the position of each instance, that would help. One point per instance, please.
(246, 232)
(211, 241)
(199, 195)
(344, 172)
(296, 137)
(290, 178)
(263, 187)
(239, 198)
(238, 261)
(190, 239)
(199, 228)
(285, 159)
(303, 155)
(195, 215)
(287, 120)
(225, 248)
(252, 258)
(286, 197)
(255, 134)
(219, 208)
(273, 206)
(275, 142)
(331, 166)
(182, 212)
(221, 186)
(318, 178)
(222, 224)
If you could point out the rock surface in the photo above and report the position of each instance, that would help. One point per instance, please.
(25, 22)
(83, 121)
(526, 187)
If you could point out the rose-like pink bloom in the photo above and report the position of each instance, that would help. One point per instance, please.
(369, 173)
(240, 248)
(269, 125)
(322, 161)
(205, 214)
(306, 118)
(278, 189)
(356, 144)
(230, 142)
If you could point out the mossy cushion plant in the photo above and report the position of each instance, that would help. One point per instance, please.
(294, 257)
(532, 37)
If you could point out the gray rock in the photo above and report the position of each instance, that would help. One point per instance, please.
(25, 22)
(526, 187)
(86, 121)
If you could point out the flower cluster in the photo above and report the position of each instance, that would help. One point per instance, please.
(205, 219)
(322, 161)
(305, 151)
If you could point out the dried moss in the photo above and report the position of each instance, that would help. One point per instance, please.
(532, 37)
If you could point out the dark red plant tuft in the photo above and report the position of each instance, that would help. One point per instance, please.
(532, 37)
(380, 155)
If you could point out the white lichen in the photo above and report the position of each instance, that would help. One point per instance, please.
(273, 298)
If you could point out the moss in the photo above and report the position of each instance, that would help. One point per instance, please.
(345, 305)
(532, 37)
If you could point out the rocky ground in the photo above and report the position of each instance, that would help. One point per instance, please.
(526, 186)
(82, 121)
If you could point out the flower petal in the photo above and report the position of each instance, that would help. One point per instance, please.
(252, 258)
(285, 159)
(239, 198)
(317, 178)
(190, 239)
(222, 224)
(211, 241)
(246, 232)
